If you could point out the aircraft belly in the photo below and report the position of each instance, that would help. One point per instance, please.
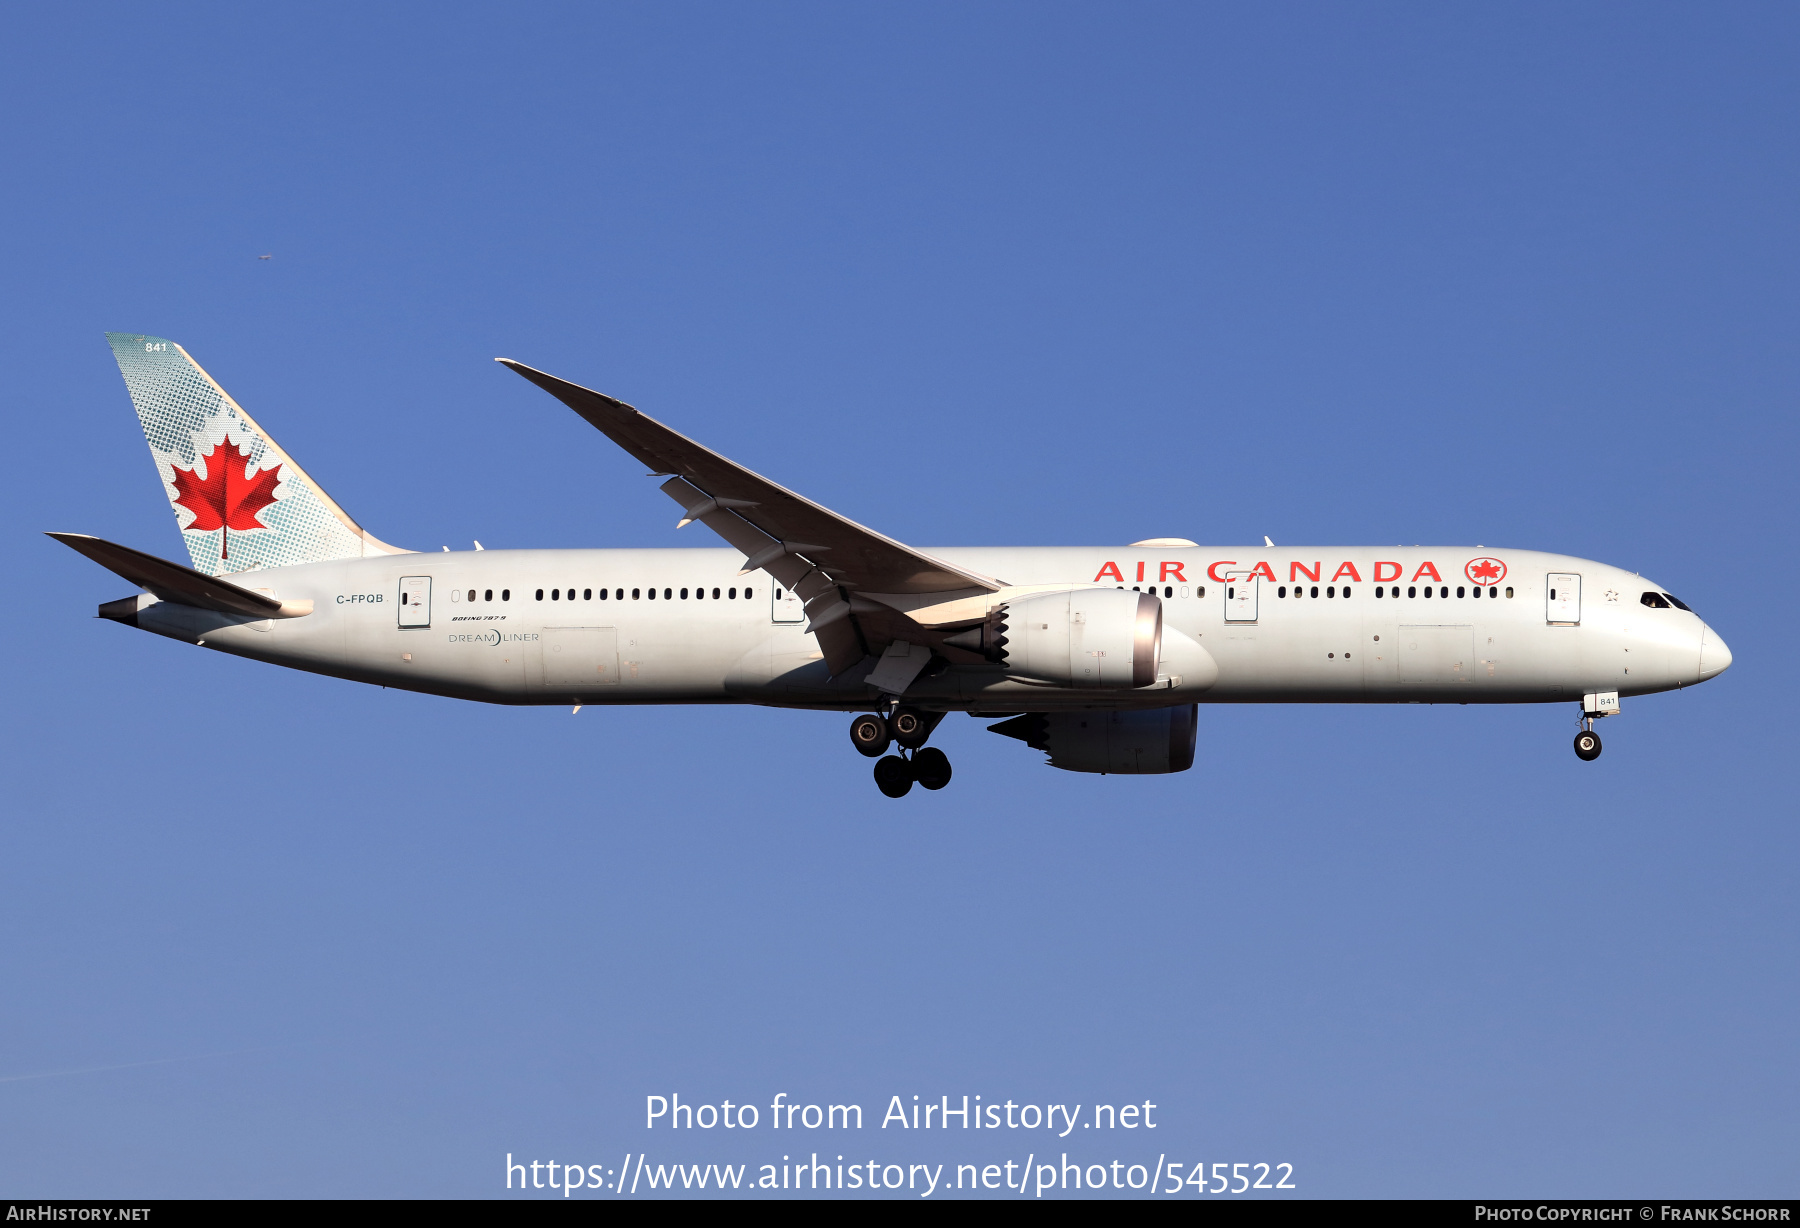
(786, 666)
(316, 649)
(1258, 664)
(670, 664)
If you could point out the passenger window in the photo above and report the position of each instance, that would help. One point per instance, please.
(472, 594)
(587, 594)
(1282, 591)
(1346, 593)
(489, 596)
(1675, 601)
(732, 593)
(666, 596)
(684, 594)
(553, 594)
(1654, 601)
(1315, 590)
(715, 594)
(1378, 592)
(652, 593)
(540, 594)
(1201, 591)
(506, 594)
(1459, 592)
(603, 594)
(635, 592)
(1331, 591)
(747, 594)
(1509, 591)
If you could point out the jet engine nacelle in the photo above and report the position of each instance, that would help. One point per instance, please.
(1084, 637)
(1138, 743)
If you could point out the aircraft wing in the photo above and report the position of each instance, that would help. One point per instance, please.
(856, 583)
(181, 585)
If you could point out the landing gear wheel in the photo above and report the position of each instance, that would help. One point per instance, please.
(870, 736)
(931, 767)
(911, 727)
(893, 776)
(1587, 746)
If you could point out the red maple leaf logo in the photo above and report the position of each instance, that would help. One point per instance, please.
(1486, 571)
(225, 498)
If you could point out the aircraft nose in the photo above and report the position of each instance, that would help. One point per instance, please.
(1715, 657)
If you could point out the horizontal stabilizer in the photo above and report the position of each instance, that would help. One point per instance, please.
(181, 585)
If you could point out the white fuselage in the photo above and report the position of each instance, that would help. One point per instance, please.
(1265, 639)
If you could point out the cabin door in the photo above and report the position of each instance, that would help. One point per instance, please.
(787, 607)
(1562, 599)
(1242, 589)
(415, 601)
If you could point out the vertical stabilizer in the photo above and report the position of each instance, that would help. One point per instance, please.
(240, 501)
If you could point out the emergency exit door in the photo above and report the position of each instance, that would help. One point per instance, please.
(415, 601)
(1241, 591)
(1562, 598)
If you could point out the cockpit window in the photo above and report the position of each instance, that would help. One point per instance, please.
(1677, 602)
(1654, 601)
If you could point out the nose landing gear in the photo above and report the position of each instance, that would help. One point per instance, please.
(1594, 705)
(908, 728)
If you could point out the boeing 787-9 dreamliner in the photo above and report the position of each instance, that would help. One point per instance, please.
(1096, 656)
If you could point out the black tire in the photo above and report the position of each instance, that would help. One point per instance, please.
(869, 734)
(893, 776)
(931, 768)
(910, 728)
(1587, 746)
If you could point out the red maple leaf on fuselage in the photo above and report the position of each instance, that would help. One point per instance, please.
(1484, 571)
(225, 498)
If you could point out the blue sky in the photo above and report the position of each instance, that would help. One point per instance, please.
(1024, 274)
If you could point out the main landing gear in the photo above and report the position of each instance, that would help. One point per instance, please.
(908, 728)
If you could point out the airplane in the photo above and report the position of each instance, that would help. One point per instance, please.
(1096, 656)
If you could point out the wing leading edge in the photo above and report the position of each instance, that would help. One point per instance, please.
(858, 585)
